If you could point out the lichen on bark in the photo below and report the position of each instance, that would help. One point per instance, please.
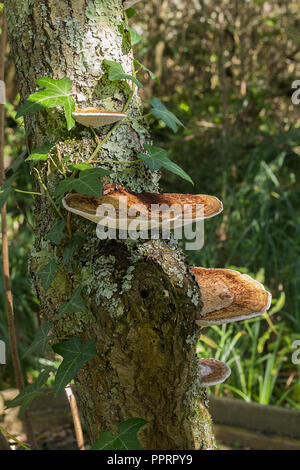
(141, 299)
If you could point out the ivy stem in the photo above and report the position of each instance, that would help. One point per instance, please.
(27, 192)
(138, 118)
(138, 70)
(114, 127)
(56, 166)
(116, 161)
(47, 193)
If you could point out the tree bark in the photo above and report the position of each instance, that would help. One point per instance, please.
(141, 298)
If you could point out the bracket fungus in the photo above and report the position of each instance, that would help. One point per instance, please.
(228, 296)
(213, 372)
(93, 117)
(150, 210)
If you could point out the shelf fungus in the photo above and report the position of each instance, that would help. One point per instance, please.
(228, 296)
(124, 209)
(92, 117)
(213, 372)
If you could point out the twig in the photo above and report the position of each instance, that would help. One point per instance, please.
(5, 257)
(76, 417)
(11, 436)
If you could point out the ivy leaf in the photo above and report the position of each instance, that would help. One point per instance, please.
(29, 393)
(70, 248)
(47, 274)
(126, 439)
(41, 340)
(134, 36)
(80, 166)
(56, 234)
(116, 72)
(55, 93)
(130, 12)
(151, 74)
(156, 158)
(161, 112)
(75, 355)
(74, 305)
(89, 183)
(64, 186)
(40, 153)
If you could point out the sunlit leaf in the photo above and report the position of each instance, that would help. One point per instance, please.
(151, 74)
(116, 72)
(161, 112)
(55, 93)
(134, 36)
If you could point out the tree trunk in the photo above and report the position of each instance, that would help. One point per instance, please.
(141, 299)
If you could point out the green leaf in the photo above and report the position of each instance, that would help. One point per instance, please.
(130, 12)
(116, 72)
(64, 186)
(89, 183)
(56, 234)
(29, 393)
(126, 439)
(80, 166)
(134, 36)
(74, 305)
(47, 274)
(55, 93)
(156, 158)
(161, 112)
(40, 153)
(41, 340)
(152, 75)
(70, 248)
(75, 355)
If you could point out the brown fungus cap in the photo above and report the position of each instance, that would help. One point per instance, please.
(93, 117)
(213, 372)
(141, 205)
(228, 296)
